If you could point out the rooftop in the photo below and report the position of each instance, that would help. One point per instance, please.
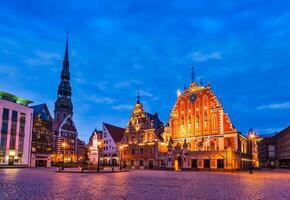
(13, 98)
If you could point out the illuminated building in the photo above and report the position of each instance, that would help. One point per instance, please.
(141, 143)
(200, 133)
(41, 145)
(15, 126)
(64, 128)
(112, 135)
(81, 151)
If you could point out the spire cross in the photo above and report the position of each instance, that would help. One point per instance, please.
(138, 96)
(192, 74)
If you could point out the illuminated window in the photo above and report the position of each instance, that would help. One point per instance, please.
(189, 122)
(214, 122)
(205, 101)
(212, 145)
(205, 119)
(197, 121)
(199, 145)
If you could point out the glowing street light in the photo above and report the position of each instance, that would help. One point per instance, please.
(63, 146)
(120, 162)
(99, 143)
(252, 135)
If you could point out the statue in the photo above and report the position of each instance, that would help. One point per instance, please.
(95, 142)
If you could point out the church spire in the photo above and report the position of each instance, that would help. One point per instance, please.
(63, 102)
(65, 65)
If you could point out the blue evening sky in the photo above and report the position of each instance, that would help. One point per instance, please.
(242, 47)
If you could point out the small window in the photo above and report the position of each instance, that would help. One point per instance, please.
(141, 150)
(150, 150)
(141, 163)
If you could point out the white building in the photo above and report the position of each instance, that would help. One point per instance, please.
(16, 130)
(112, 135)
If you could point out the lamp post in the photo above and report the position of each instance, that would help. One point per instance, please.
(252, 136)
(63, 147)
(99, 150)
(120, 162)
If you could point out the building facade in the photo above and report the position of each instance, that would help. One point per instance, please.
(267, 153)
(16, 129)
(112, 136)
(198, 136)
(275, 151)
(142, 139)
(81, 151)
(41, 145)
(65, 132)
(201, 136)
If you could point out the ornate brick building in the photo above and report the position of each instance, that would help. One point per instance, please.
(199, 136)
(141, 142)
(65, 132)
(200, 133)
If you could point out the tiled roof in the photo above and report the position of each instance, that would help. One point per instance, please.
(283, 132)
(156, 120)
(156, 123)
(37, 109)
(116, 132)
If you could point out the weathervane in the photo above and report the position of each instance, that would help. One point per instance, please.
(138, 96)
(192, 74)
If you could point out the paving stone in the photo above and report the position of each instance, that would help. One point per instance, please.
(143, 184)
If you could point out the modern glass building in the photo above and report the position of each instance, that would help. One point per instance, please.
(16, 128)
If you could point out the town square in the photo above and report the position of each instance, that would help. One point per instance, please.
(144, 100)
(143, 184)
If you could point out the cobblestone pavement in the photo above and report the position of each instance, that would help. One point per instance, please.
(143, 184)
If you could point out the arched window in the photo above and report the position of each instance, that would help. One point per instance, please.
(182, 121)
(189, 145)
(189, 122)
(214, 123)
(197, 121)
(199, 145)
(141, 138)
(205, 102)
(205, 119)
(212, 145)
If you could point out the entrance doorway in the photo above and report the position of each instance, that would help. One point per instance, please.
(150, 164)
(194, 163)
(206, 163)
(220, 163)
(41, 163)
(11, 160)
(177, 163)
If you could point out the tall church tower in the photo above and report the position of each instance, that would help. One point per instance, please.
(63, 105)
(65, 132)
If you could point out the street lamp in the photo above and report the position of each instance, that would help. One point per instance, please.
(252, 136)
(63, 146)
(99, 149)
(120, 162)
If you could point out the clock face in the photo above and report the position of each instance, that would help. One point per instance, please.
(192, 98)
